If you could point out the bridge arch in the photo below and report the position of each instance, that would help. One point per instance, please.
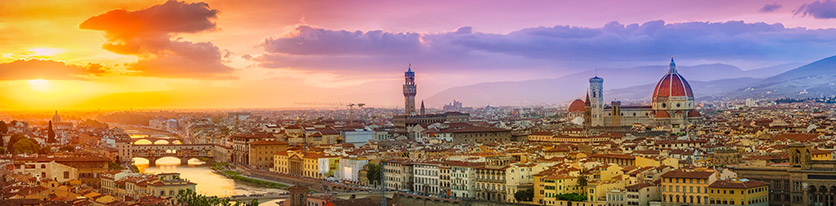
(161, 141)
(143, 141)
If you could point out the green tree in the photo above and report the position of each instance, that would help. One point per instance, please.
(67, 148)
(524, 195)
(51, 133)
(114, 166)
(189, 197)
(571, 197)
(582, 181)
(14, 139)
(373, 173)
(2, 150)
(26, 146)
(3, 127)
(45, 150)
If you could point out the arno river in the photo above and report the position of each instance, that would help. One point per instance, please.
(208, 182)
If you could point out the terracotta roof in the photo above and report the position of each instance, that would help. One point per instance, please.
(684, 174)
(576, 106)
(737, 184)
(672, 84)
(799, 137)
(268, 142)
(694, 113)
(662, 114)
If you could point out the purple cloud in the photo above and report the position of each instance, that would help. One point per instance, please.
(770, 7)
(818, 9)
(150, 34)
(547, 47)
(316, 41)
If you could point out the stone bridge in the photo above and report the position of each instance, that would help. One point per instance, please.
(156, 140)
(184, 152)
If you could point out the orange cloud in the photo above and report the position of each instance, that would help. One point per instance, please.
(47, 69)
(150, 34)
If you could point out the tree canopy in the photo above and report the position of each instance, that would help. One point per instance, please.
(524, 195)
(571, 197)
(373, 173)
(26, 146)
(189, 197)
(3, 127)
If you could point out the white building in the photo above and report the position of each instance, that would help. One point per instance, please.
(358, 137)
(349, 168)
(642, 194)
(426, 178)
(47, 170)
(171, 124)
(462, 179)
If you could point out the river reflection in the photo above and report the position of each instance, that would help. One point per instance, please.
(208, 182)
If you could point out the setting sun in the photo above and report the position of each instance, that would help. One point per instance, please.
(39, 84)
(42, 51)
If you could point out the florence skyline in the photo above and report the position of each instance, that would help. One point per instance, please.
(219, 54)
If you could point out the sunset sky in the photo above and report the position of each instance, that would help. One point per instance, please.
(120, 54)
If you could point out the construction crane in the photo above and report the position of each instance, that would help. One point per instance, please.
(347, 104)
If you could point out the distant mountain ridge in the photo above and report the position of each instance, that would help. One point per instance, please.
(634, 83)
(812, 80)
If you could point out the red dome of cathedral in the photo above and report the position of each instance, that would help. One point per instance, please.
(576, 106)
(672, 85)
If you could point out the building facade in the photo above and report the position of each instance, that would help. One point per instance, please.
(261, 153)
(686, 187)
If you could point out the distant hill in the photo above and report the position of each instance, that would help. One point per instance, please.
(567, 88)
(811, 80)
(772, 70)
(702, 89)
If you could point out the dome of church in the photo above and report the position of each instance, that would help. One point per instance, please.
(662, 114)
(672, 85)
(576, 106)
(694, 113)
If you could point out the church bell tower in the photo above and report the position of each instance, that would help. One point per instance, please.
(596, 96)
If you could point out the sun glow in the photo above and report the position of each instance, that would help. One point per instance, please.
(43, 51)
(39, 84)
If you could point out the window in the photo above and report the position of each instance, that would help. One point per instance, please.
(66, 175)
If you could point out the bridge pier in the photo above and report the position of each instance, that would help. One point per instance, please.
(152, 162)
(184, 161)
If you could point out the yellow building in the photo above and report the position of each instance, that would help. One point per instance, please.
(168, 185)
(544, 186)
(302, 163)
(739, 192)
(160, 185)
(262, 152)
(656, 162)
(548, 184)
(597, 191)
(822, 154)
(686, 187)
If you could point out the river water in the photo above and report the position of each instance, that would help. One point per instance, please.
(208, 182)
